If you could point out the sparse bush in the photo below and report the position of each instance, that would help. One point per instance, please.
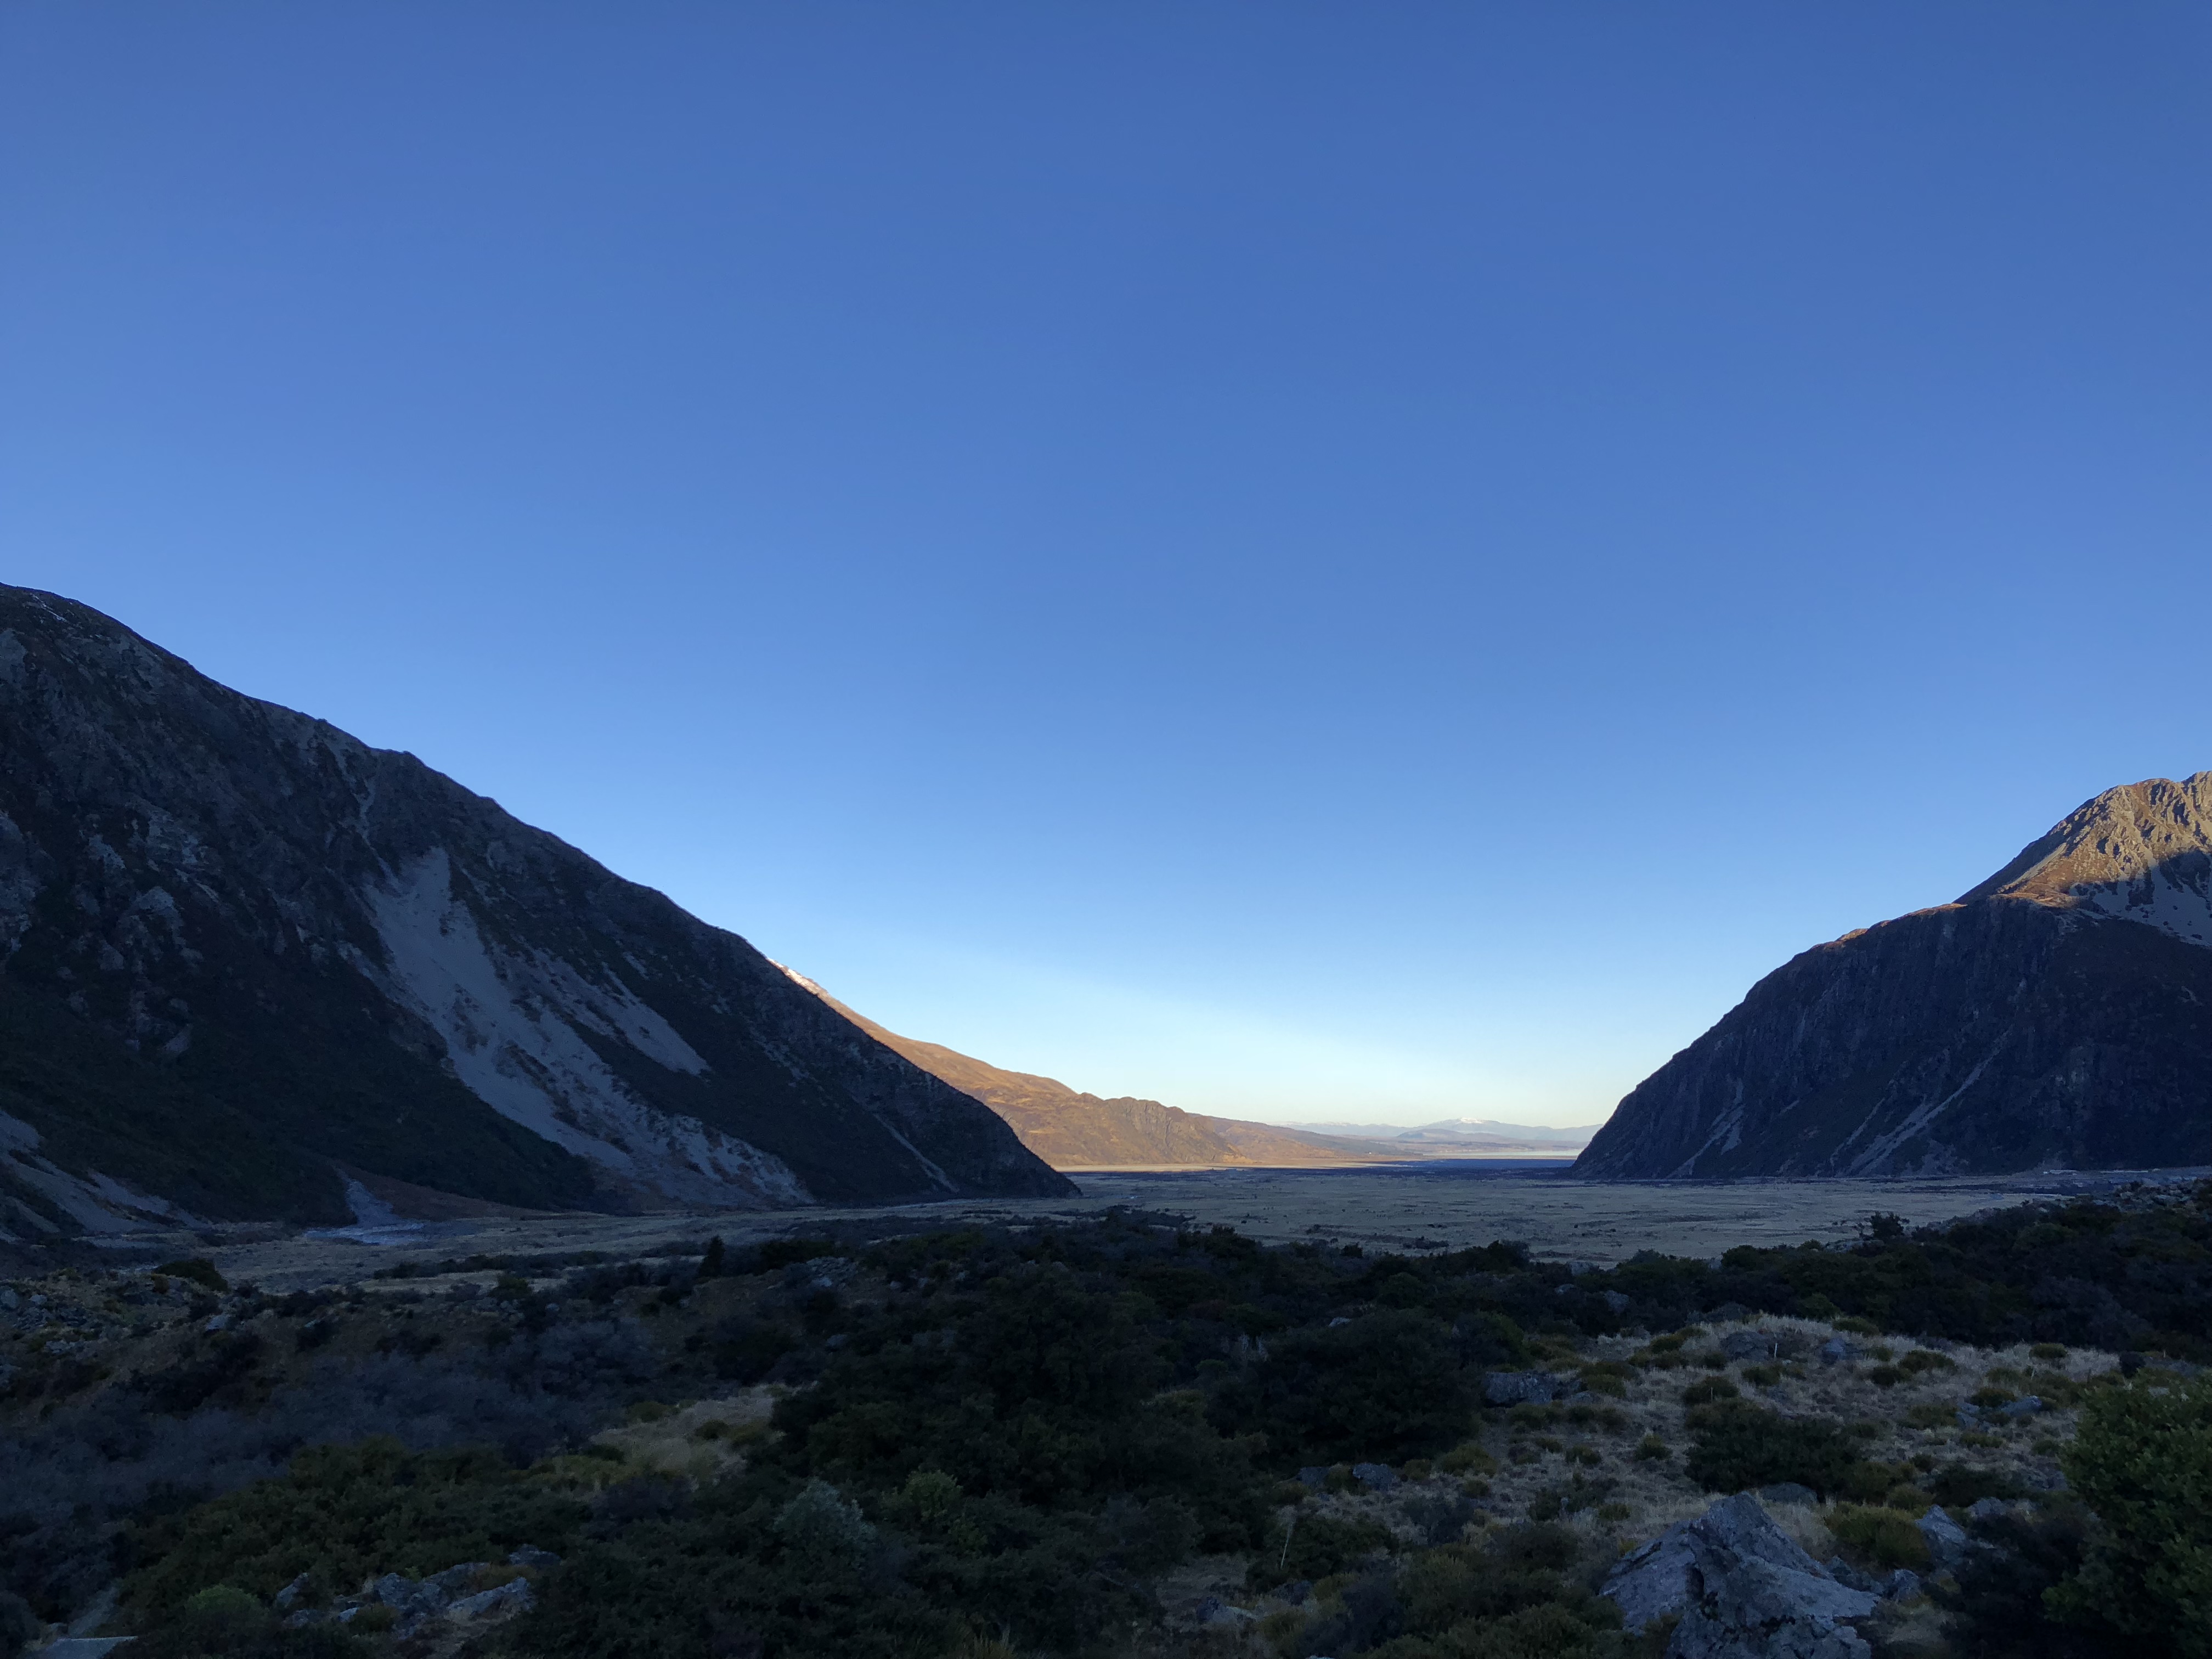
(1468, 1458)
(1879, 1537)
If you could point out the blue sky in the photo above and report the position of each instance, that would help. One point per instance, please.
(1301, 559)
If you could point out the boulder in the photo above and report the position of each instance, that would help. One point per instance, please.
(2026, 1406)
(1313, 1475)
(1742, 1589)
(500, 1601)
(1524, 1387)
(533, 1558)
(1835, 1351)
(1375, 1477)
(1845, 1574)
(1752, 1346)
(1947, 1543)
(1901, 1586)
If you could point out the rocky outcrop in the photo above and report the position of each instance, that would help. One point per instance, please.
(2057, 1015)
(243, 957)
(1740, 1589)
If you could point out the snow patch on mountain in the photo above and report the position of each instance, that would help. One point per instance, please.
(2174, 904)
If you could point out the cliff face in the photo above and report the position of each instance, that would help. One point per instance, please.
(243, 955)
(2059, 1014)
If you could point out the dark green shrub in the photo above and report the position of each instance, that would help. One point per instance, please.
(744, 1349)
(1739, 1446)
(1704, 1393)
(19, 1625)
(2000, 1605)
(348, 1513)
(222, 1622)
(1956, 1486)
(1317, 1546)
(2141, 1460)
(1384, 1387)
(199, 1270)
(779, 1253)
(1468, 1458)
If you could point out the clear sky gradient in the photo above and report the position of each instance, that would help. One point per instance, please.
(1373, 561)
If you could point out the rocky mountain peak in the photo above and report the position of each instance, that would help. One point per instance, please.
(2142, 850)
(2054, 1015)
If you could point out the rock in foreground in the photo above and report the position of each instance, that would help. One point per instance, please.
(1742, 1589)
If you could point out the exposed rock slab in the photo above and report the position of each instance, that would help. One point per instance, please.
(1742, 1589)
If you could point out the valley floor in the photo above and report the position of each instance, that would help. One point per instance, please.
(1450, 1205)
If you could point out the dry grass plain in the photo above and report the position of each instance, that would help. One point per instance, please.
(1448, 1205)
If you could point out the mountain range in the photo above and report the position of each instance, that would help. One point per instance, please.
(1073, 1130)
(245, 959)
(2058, 1014)
(1463, 1136)
(251, 968)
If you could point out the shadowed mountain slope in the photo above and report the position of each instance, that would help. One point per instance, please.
(242, 955)
(2059, 1014)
